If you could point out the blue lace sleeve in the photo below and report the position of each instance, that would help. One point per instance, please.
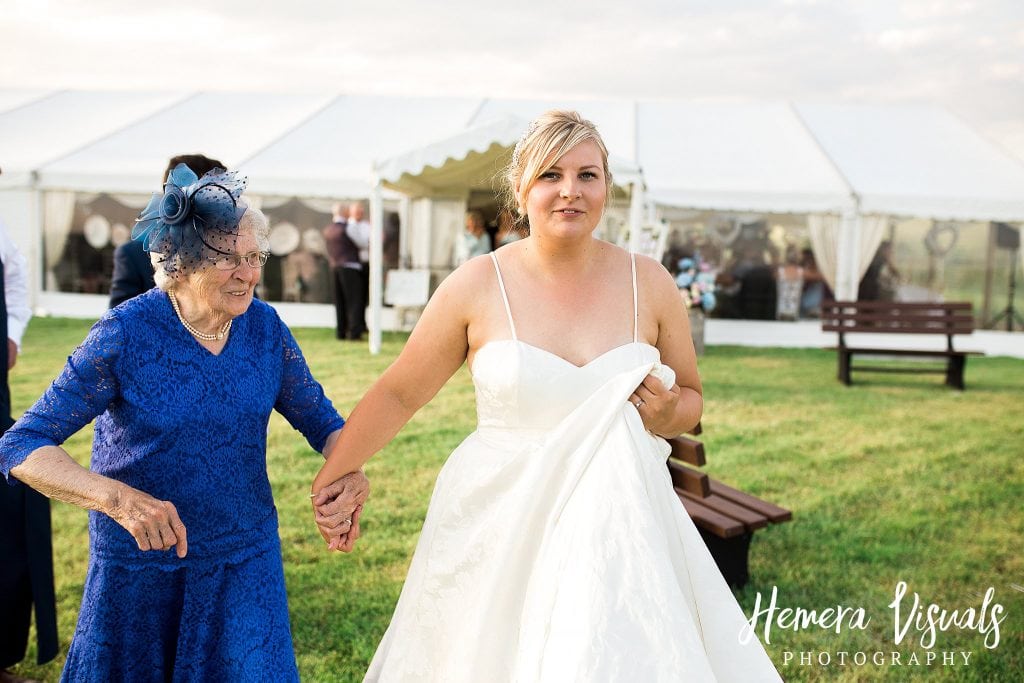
(302, 400)
(83, 390)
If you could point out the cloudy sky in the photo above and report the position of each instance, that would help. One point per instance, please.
(966, 55)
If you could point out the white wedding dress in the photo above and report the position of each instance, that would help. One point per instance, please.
(555, 549)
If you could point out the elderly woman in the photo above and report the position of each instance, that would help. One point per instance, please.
(185, 580)
(554, 547)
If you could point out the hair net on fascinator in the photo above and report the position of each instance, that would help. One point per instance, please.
(193, 219)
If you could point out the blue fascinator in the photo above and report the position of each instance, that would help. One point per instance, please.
(193, 218)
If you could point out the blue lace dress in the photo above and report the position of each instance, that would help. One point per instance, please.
(190, 427)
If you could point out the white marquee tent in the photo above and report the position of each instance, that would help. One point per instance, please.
(846, 166)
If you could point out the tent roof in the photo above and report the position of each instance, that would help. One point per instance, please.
(13, 98)
(735, 157)
(332, 154)
(918, 161)
(473, 158)
(771, 157)
(227, 126)
(37, 129)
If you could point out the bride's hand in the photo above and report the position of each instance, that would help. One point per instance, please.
(656, 404)
(337, 508)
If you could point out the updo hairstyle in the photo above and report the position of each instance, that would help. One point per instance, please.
(546, 140)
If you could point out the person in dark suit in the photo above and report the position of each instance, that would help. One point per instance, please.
(133, 272)
(26, 557)
(338, 250)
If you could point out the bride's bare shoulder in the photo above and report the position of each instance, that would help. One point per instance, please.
(653, 275)
(464, 285)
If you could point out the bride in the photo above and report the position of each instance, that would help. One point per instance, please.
(554, 547)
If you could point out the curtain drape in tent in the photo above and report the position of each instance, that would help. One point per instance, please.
(872, 230)
(58, 214)
(824, 232)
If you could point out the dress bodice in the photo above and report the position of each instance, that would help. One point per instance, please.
(523, 387)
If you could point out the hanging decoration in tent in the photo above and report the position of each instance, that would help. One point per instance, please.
(939, 241)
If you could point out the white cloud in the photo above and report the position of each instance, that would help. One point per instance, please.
(899, 39)
(938, 9)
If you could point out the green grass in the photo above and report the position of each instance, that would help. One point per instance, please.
(896, 478)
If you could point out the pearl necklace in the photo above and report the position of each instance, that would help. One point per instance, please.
(205, 336)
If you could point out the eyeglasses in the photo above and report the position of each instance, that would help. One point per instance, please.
(255, 259)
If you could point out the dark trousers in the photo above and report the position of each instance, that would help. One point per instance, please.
(355, 285)
(338, 291)
(26, 574)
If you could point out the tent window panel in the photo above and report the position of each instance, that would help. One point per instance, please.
(80, 233)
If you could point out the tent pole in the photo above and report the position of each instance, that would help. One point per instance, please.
(636, 208)
(404, 259)
(376, 265)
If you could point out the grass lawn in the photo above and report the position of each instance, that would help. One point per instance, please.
(895, 479)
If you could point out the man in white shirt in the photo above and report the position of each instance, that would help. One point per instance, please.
(26, 558)
(357, 280)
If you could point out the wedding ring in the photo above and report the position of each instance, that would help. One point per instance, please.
(639, 402)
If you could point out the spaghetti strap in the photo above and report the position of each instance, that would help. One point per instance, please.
(636, 310)
(504, 296)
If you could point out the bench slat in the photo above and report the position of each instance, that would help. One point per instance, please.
(936, 353)
(686, 479)
(897, 329)
(906, 371)
(891, 315)
(751, 519)
(773, 512)
(705, 517)
(910, 305)
(688, 450)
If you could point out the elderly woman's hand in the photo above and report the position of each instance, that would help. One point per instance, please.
(337, 508)
(656, 405)
(153, 523)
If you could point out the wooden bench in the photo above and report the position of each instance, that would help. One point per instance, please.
(725, 517)
(888, 317)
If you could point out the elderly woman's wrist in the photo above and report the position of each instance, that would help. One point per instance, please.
(110, 497)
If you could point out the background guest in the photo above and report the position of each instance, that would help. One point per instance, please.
(507, 231)
(26, 557)
(880, 279)
(340, 250)
(473, 240)
(133, 273)
(815, 289)
(356, 273)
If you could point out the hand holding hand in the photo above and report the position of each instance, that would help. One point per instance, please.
(337, 508)
(656, 404)
(154, 524)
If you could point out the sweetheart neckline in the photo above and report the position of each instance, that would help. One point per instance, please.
(556, 356)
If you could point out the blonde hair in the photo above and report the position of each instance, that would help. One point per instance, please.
(546, 140)
(253, 219)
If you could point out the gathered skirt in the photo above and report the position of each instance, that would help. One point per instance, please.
(203, 620)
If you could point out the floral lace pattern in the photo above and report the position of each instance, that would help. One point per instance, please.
(190, 427)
